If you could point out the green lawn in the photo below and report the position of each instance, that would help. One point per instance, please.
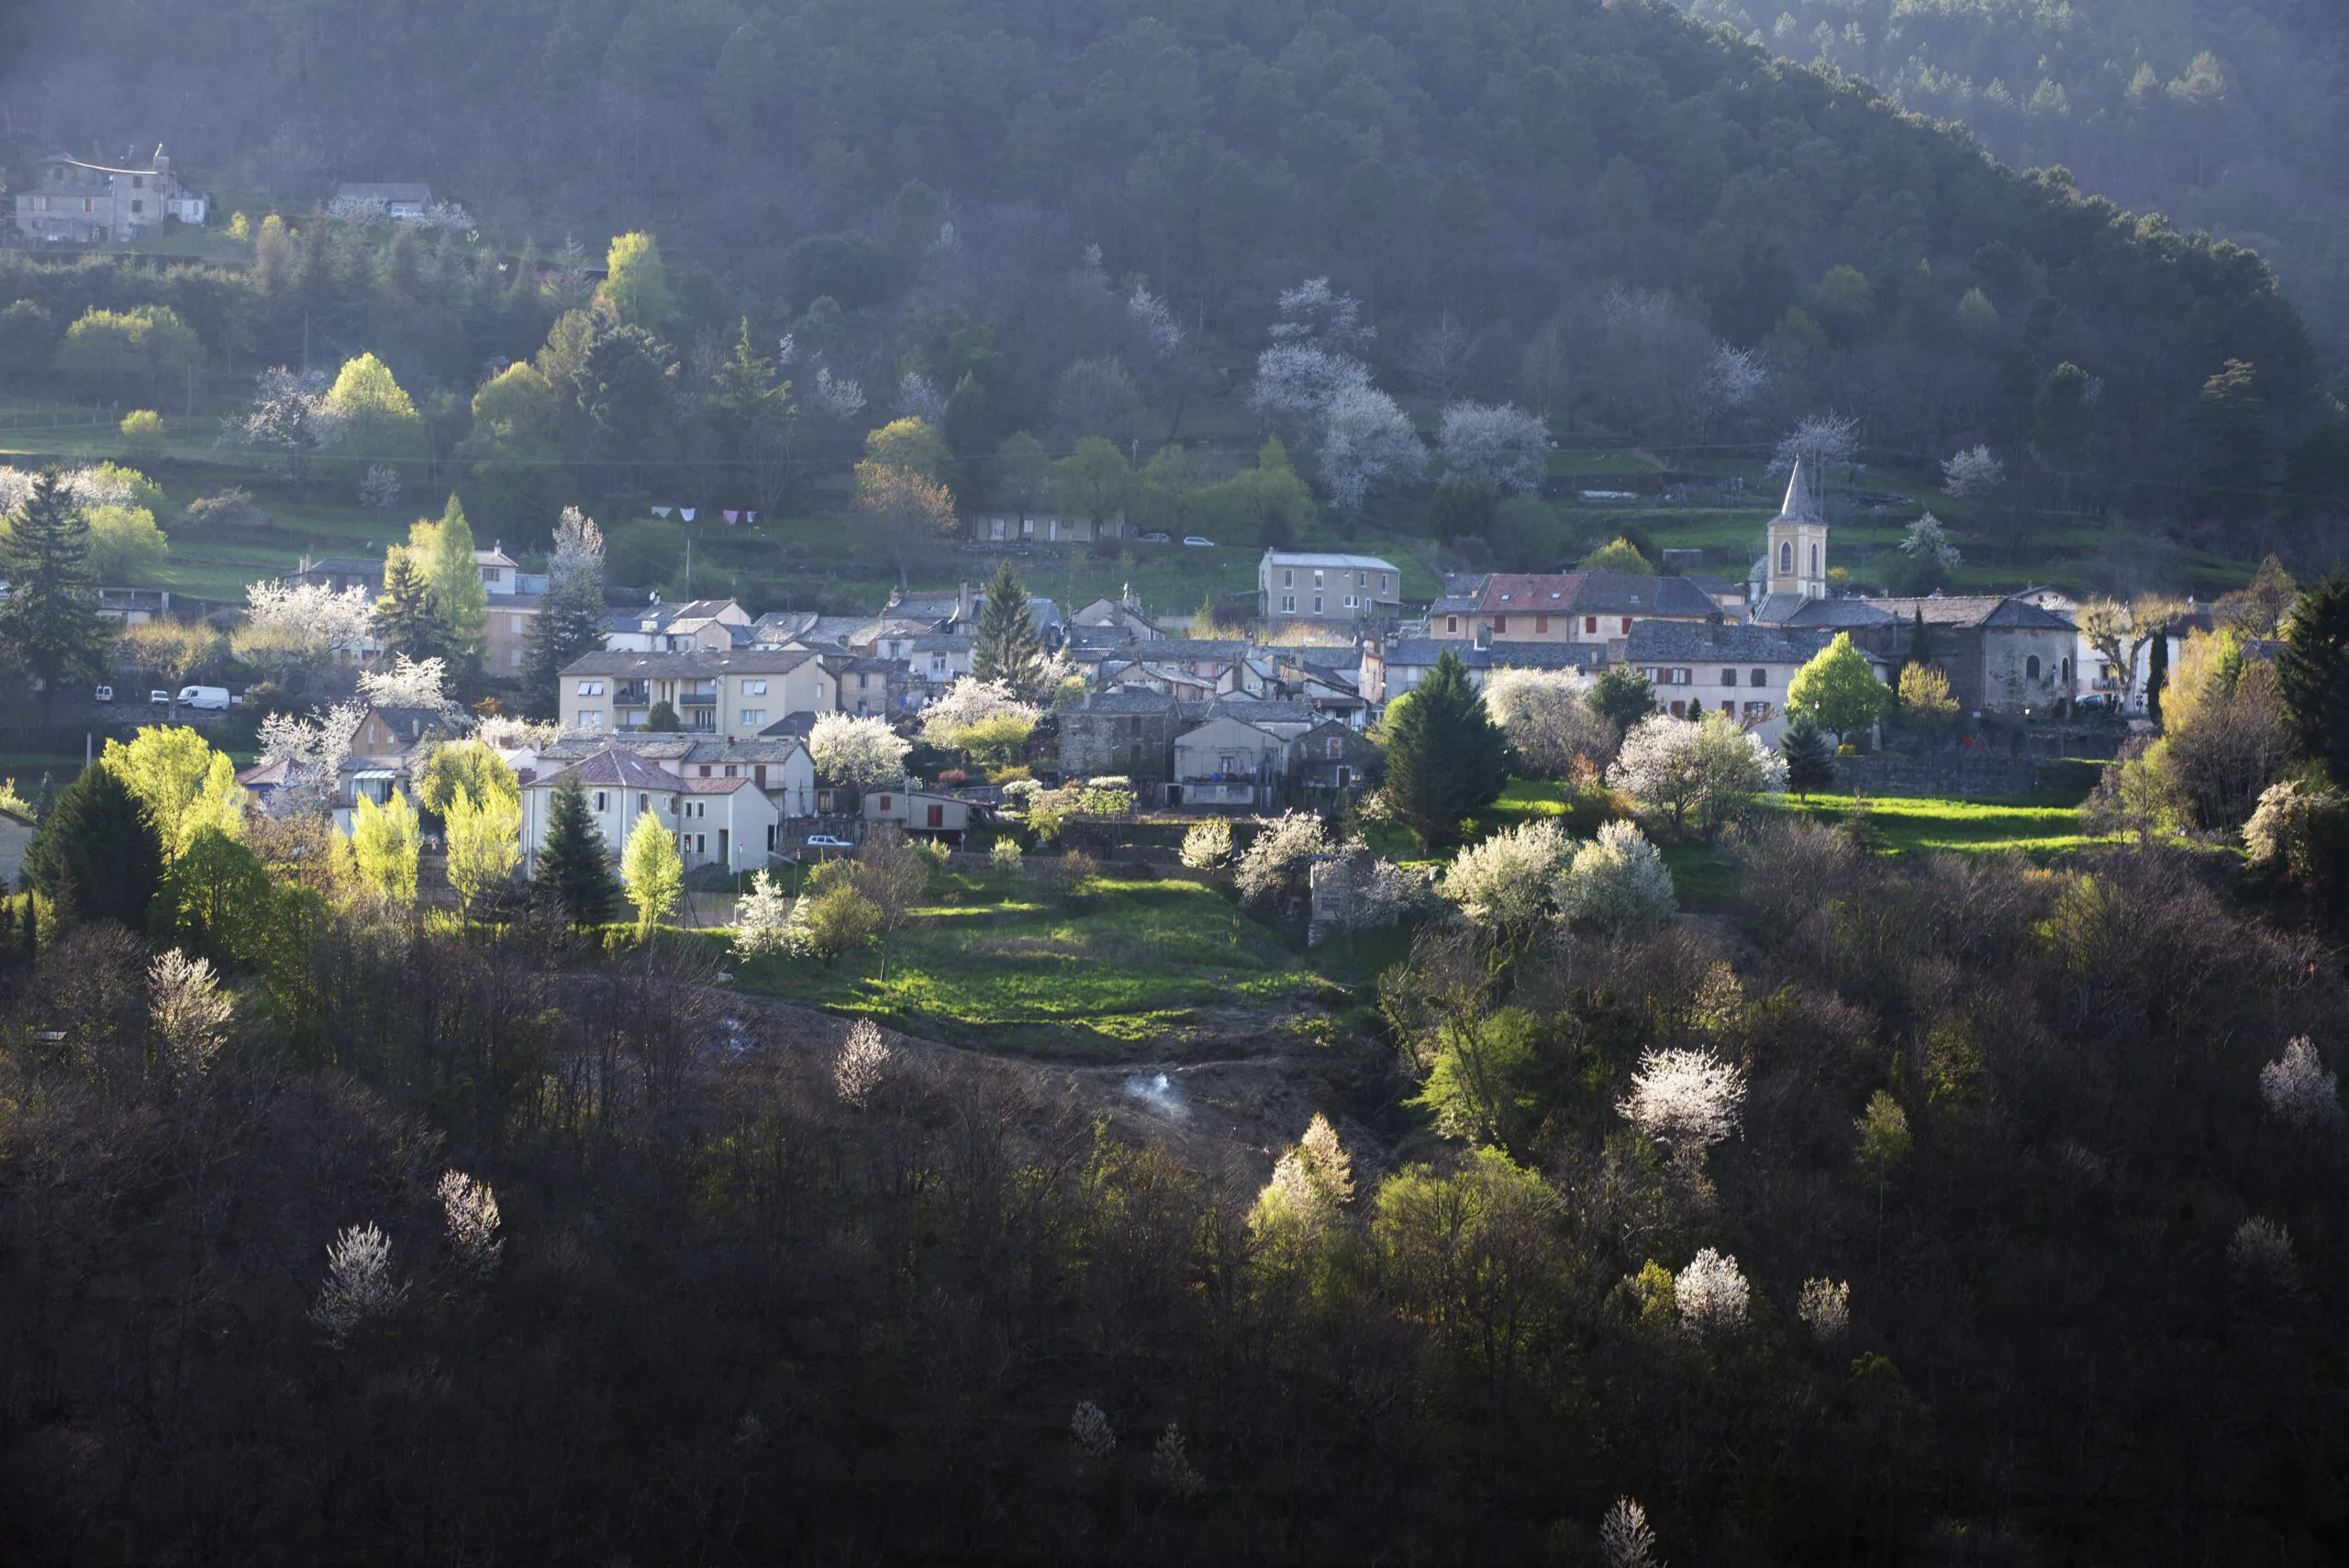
(2037, 829)
(1134, 964)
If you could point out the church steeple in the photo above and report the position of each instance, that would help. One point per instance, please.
(1798, 558)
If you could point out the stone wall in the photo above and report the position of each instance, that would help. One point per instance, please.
(1963, 773)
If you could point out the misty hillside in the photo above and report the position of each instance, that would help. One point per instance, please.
(2224, 113)
(1481, 174)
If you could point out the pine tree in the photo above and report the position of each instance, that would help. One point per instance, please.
(2312, 670)
(1006, 648)
(50, 626)
(406, 619)
(46, 801)
(454, 578)
(574, 873)
(1920, 645)
(2156, 674)
(1445, 758)
(98, 850)
(571, 618)
(1810, 760)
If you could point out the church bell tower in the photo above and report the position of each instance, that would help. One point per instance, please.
(1797, 560)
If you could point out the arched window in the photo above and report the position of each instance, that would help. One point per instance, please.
(1814, 561)
(2067, 671)
(2031, 668)
(1786, 558)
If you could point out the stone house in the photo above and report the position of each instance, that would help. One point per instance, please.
(74, 202)
(1230, 765)
(1742, 671)
(1334, 756)
(1121, 730)
(2002, 655)
(1314, 588)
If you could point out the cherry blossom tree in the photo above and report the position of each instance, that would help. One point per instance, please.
(1501, 444)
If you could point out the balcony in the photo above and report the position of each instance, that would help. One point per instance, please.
(634, 693)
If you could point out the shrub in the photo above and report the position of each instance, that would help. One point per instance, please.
(1616, 883)
(142, 435)
(1208, 846)
(1712, 1294)
(1061, 880)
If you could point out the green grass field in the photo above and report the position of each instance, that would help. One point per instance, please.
(1137, 963)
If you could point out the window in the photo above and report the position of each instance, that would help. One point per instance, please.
(1729, 677)
(591, 688)
(1540, 623)
(599, 801)
(2031, 668)
(1288, 579)
(1451, 623)
(1317, 578)
(1814, 561)
(757, 715)
(1680, 710)
(1500, 623)
(1350, 601)
(754, 688)
(819, 690)
(1682, 675)
(1316, 604)
(1385, 582)
(1590, 625)
(1627, 625)
(138, 182)
(593, 718)
(1761, 678)
(1334, 747)
(1786, 558)
(643, 801)
(138, 205)
(884, 802)
(1227, 763)
(1729, 708)
(732, 771)
(514, 657)
(704, 770)
(513, 624)
(1288, 604)
(1757, 710)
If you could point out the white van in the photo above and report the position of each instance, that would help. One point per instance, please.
(205, 698)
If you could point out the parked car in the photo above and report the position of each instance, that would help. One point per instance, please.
(203, 698)
(1156, 536)
(1198, 543)
(159, 699)
(105, 694)
(825, 841)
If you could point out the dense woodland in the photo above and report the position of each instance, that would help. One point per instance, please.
(1572, 207)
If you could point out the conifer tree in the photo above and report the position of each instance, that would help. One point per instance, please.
(98, 851)
(453, 578)
(406, 619)
(1920, 647)
(1810, 760)
(50, 626)
(1005, 647)
(571, 618)
(2312, 670)
(1445, 758)
(575, 871)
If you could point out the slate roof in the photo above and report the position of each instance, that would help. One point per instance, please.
(626, 663)
(1670, 641)
(1262, 711)
(1793, 609)
(943, 642)
(1125, 700)
(797, 723)
(613, 768)
(1592, 593)
(1941, 609)
(1420, 652)
(1342, 562)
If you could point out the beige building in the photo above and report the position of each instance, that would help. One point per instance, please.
(717, 821)
(738, 693)
(71, 203)
(1309, 587)
(1574, 606)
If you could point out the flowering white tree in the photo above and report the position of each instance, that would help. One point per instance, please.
(858, 752)
(972, 715)
(313, 747)
(1354, 891)
(290, 417)
(1548, 718)
(1712, 1294)
(1709, 772)
(835, 397)
(304, 627)
(918, 398)
(1501, 444)
(1156, 322)
(1928, 542)
(1616, 882)
(359, 1285)
(1503, 883)
(1171, 1467)
(509, 732)
(188, 1010)
(1735, 377)
(1824, 440)
(1973, 471)
(1298, 381)
(1208, 846)
(409, 683)
(1091, 1440)
(469, 1218)
(1825, 1308)
(761, 918)
(863, 1065)
(1315, 313)
(2299, 1091)
(1625, 1537)
(1688, 1100)
(1366, 440)
(1276, 866)
(2259, 1255)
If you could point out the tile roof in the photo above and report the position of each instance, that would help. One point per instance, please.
(1657, 641)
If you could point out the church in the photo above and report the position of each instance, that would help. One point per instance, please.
(2004, 656)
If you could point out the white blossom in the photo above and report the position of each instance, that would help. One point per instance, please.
(1825, 1309)
(1712, 1294)
(189, 1011)
(1625, 1538)
(1972, 471)
(1689, 1099)
(2259, 1256)
(1170, 1464)
(1090, 1439)
(1314, 313)
(1278, 861)
(578, 551)
(1927, 540)
(1735, 377)
(1499, 443)
(836, 397)
(918, 398)
(1208, 845)
(507, 733)
(1709, 771)
(1298, 381)
(1824, 440)
(1548, 720)
(469, 1218)
(860, 751)
(761, 918)
(2299, 1091)
(969, 704)
(1616, 882)
(410, 682)
(1157, 322)
(313, 618)
(1004, 856)
(1504, 881)
(290, 415)
(313, 749)
(1354, 891)
(1366, 440)
(862, 1063)
(359, 1285)
(381, 487)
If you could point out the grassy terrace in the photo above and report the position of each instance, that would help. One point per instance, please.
(1139, 962)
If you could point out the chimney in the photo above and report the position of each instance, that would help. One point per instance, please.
(1485, 636)
(963, 607)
